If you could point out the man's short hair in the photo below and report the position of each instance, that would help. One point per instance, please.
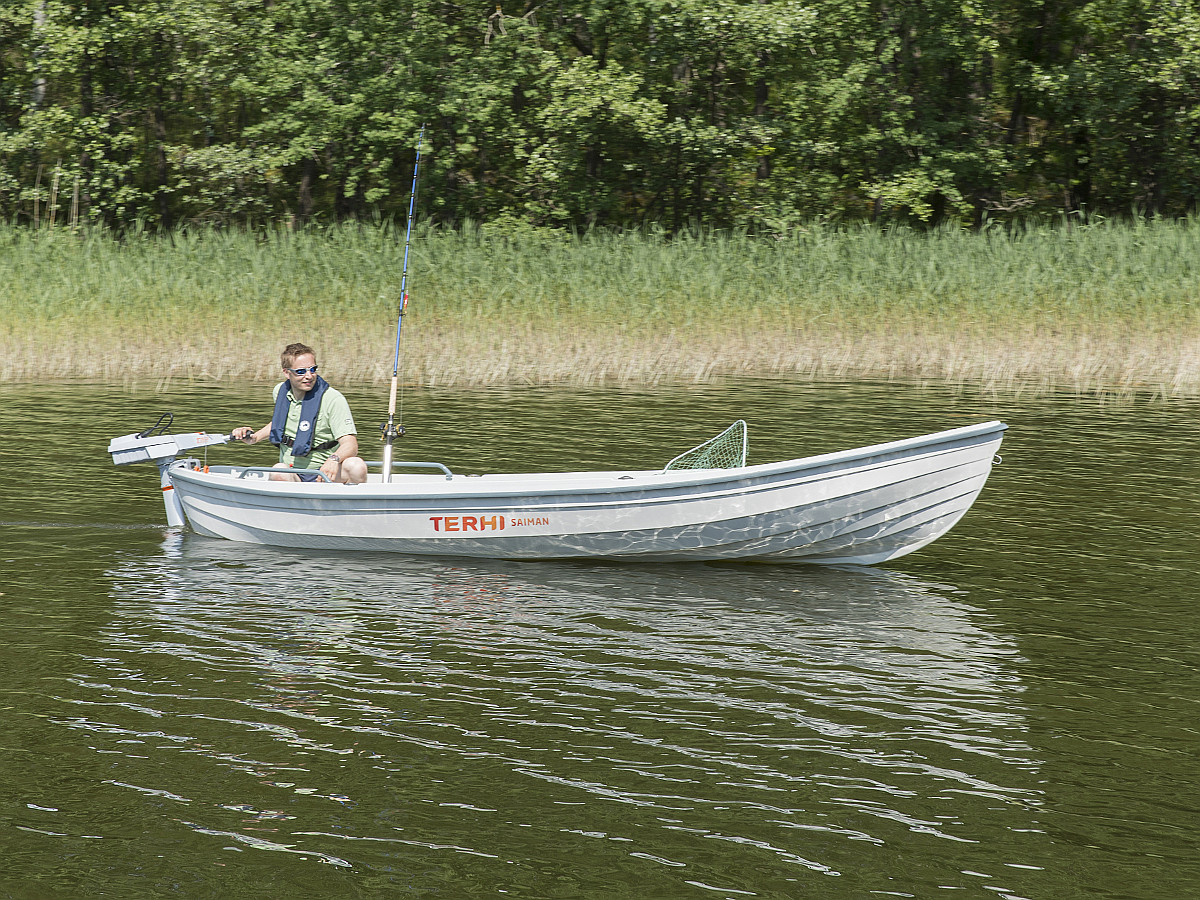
(292, 351)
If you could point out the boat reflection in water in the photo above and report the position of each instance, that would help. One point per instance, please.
(766, 703)
(863, 622)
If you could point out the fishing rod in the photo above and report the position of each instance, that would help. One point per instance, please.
(390, 429)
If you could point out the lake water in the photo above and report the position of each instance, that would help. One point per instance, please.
(1012, 712)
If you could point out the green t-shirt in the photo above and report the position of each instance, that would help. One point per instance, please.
(333, 422)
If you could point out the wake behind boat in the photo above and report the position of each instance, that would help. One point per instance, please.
(863, 506)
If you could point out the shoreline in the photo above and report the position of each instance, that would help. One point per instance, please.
(1114, 361)
(1096, 310)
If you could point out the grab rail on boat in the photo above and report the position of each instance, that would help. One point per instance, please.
(276, 470)
(396, 463)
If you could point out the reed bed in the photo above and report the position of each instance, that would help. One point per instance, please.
(1107, 308)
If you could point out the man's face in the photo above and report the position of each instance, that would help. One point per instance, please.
(302, 384)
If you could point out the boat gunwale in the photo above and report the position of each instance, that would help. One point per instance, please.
(469, 487)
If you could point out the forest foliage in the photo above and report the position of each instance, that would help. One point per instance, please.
(753, 114)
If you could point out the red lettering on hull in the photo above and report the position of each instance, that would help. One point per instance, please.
(467, 523)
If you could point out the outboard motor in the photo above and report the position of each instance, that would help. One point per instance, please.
(153, 445)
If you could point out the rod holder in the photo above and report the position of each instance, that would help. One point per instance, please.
(390, 431)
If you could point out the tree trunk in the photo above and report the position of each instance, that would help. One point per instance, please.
(761, 91)
(86, 111)
(304, 198)
(1079, 194)
(162, 170)
(159, 121)
(38, 93)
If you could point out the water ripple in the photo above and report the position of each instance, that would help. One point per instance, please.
(746, 720)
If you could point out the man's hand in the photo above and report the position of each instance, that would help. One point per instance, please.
(332, 467)
(249, 435)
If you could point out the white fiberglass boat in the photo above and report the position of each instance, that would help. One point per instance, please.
(859, 506)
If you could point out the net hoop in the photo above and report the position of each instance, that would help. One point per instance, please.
(725, 451)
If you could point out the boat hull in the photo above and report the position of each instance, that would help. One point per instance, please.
(860, 506)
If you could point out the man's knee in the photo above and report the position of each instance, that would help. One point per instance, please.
(281, 476)
(354, 470)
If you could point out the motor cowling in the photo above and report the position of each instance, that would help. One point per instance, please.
(162, 449)
(134, 448)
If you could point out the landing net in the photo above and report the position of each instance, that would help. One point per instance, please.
(726, 451)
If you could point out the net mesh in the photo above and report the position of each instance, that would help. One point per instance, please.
(726, 451)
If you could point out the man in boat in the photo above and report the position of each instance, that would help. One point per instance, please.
(311, 425)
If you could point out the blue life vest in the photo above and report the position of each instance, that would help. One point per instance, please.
(309, 406)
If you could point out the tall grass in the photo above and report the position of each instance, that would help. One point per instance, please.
(1097, 308)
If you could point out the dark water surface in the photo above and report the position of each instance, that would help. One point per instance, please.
(1013, 712)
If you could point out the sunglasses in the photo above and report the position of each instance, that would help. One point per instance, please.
(312, 369)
